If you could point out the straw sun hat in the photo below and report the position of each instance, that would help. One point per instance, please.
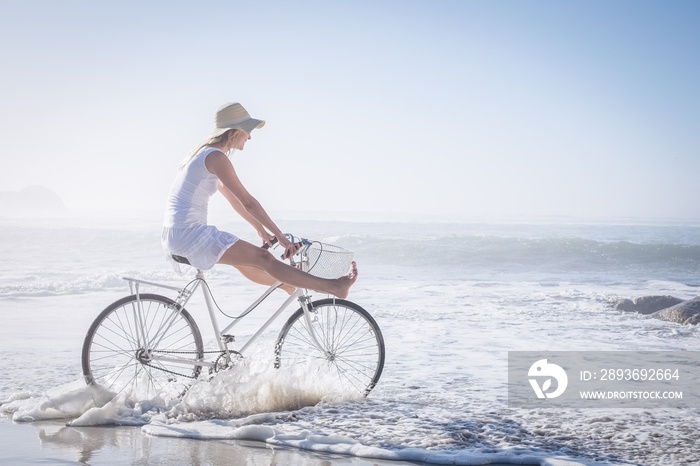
(234, 116)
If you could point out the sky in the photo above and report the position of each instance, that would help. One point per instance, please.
(453, 109)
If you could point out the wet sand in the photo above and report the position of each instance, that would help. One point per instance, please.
(52, 442)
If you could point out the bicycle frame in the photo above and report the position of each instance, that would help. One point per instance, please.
(222, 337)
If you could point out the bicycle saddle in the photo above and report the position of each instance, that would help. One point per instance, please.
(180, 259)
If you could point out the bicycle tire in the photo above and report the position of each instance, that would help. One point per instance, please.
(113, 357)
(353, 345)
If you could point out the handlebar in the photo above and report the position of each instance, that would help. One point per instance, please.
(275, 241)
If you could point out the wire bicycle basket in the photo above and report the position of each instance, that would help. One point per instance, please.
(326, 260)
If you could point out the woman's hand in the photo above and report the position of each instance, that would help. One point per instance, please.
(289, 248)
(266, 237)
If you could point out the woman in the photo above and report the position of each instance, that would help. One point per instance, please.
(187, 234)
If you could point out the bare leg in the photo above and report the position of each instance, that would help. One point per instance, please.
(261, 277)
(245, 254)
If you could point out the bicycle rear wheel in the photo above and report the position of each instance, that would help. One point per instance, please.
(351, 344)
(147, 346)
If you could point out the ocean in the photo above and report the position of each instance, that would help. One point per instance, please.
(452, 299)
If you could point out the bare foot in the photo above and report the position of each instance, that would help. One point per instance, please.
(344, 283)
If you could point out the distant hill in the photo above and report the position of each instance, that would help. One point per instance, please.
(31, 201)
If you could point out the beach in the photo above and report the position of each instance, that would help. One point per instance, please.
(516, 181)
(451, 300)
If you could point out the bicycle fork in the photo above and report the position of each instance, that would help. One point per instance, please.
(305, 302)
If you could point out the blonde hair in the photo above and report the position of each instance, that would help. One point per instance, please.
(212, 141)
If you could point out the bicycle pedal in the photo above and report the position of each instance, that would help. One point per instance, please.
(228, 338)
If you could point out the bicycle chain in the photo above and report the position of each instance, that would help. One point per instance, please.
(220, 353)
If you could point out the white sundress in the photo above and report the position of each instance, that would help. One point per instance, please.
(185, 229)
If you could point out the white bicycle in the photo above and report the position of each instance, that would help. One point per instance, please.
(149, 345)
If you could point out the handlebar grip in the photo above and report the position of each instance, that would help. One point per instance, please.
(267, 246)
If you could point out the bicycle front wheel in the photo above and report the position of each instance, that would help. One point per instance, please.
(346, 340)
(145, 345)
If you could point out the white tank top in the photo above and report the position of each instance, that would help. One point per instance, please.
(194, 185)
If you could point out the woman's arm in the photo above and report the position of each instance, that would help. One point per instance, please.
(218, 164)
(240, 209)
